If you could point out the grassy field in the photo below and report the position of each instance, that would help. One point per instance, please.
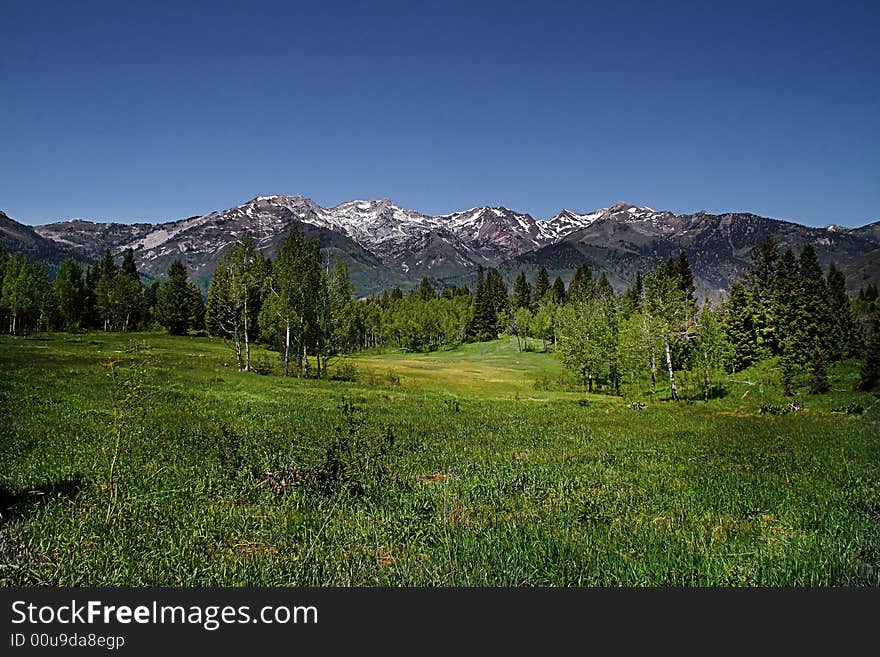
(142, 459)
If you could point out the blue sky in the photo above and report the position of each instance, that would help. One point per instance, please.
(149, 111)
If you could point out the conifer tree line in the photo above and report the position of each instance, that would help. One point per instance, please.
(784, 307)
(106, 296)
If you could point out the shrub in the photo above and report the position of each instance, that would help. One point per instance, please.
(345, 372)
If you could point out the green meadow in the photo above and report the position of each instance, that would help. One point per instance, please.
(144, 459)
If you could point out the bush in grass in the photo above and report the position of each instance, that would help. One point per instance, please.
(345, 372)
(356, 462)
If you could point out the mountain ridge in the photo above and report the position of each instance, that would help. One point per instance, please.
(392, 245)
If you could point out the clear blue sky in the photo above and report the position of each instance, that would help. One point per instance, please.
(148, 111)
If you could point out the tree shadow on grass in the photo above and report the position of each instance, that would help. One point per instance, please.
(19, 504)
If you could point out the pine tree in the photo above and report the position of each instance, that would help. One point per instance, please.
(522, 292)
(760, 281)
(739, 327)
(870, 372)
(632, 298)
(681, 269)
(90, 318)
(150, 295)
(496, 292)
(477, 328)
(425, 290)
(128, 266)
(787, 374)
(812, 316)
(818, 369)
(603, 289)
(542, 287)
(176, 306)
(581, 286)
(559, 290)
(782, 308)
(843, 337)
(106, 267)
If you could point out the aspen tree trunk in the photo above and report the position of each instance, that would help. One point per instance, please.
(247, 341)
(671, 372)
(287, 347)
(238, 349)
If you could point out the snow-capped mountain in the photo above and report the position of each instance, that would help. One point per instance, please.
(386, 244)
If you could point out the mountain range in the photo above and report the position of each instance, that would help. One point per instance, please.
(387, 245)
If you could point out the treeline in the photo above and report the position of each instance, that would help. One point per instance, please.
(429, 318)
(106, 296)
(784, 306)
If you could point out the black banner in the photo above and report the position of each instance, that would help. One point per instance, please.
(550, 621)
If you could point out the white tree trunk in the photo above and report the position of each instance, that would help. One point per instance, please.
(671, 372)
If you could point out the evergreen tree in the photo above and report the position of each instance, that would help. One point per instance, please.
(844, 338)
(760, 281)
(782, 309)
(490, 302)
(559, 290)
(178, 301)
(522, 292)
(461, 290)
(90, 318)
(870, 372)
(740, 329)
(426, 291)
(681, 269)
(581, 286)
(603, 289)
(396, 295)
(128, 266)
(542, 287)
(812, 316)
(818, 369)
(496, 293)
(632, 298)
(106, 267)
(477, 328)
(150, 300)
(787, 373)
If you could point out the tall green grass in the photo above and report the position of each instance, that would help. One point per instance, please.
(481, 466)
